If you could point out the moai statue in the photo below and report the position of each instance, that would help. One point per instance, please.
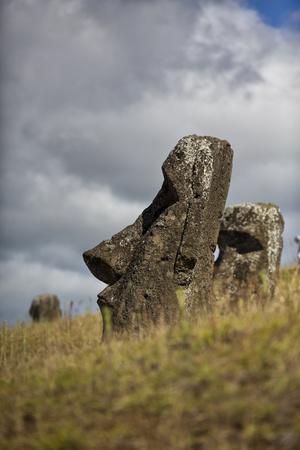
(169, 249)
(250, 245)
(45, 307)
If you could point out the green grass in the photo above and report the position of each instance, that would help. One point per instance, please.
(231, 381)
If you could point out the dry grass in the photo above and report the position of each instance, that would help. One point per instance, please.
(229, 382)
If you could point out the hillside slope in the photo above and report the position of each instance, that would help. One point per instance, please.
(229, 382)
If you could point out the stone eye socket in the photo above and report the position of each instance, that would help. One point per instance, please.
(242, 242)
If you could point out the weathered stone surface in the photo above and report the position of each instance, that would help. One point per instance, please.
(171, 245)
(250, 244)
(45, 307)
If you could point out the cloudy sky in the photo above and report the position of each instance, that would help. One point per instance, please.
(94, 95)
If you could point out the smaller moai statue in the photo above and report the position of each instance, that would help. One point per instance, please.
(45, 307)
(250, 246)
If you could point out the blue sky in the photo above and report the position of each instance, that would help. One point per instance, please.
(275, 12)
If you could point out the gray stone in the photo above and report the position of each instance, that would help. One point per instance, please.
(168, 251)
(45, 307)
(250, 244)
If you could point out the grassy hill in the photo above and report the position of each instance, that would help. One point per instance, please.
(229, 382)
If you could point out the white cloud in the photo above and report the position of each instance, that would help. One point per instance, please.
(59, 210)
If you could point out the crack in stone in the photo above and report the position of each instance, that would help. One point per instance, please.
(181, 274)
(177, 270)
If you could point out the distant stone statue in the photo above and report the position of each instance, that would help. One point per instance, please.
(45, 307)
(250, 245)
(297, 240)
(168, 252)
